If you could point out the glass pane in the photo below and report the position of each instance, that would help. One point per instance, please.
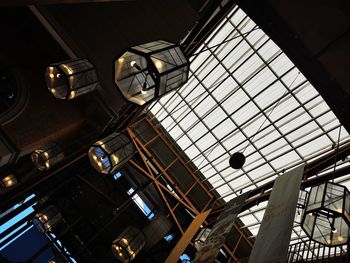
(246, 95)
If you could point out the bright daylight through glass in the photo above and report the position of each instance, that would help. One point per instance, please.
(235, 89)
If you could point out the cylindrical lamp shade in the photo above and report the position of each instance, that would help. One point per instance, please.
(145, 72)
(326, 218)
(201, 238)
(111, 153)
(128, 244)
(8, 181)
(70, 79)
(47, 219)
(47, 156)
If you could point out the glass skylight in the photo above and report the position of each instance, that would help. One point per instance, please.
(141, 204)
(15, 220)
(235, 89)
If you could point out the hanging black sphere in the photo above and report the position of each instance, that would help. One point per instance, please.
(237, 160)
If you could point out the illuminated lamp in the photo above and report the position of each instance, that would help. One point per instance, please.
(70, 79)
(145, 72)
(8, 181)
(47, 156)
(47, 219)
(128, 244)
(326, 218)
(111, 153)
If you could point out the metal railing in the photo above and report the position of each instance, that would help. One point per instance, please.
(311, 251)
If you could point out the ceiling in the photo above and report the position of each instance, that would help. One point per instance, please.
(245, 95)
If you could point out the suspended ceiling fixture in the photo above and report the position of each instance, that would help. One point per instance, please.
(8, 181)
(47, 156)
(128, 244)
(47, 219)
(71, 79)
(327, 216)
(245, 85)
(145, 72)
(110, 153)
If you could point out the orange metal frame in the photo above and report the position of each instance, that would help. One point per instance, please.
(177, 194)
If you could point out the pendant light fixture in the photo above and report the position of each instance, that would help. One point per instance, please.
(327, 215)
(145, 72)
(8, 181)
(128, 244)
(110, 153)
(47, 219)
(47, 156)
(70, 79)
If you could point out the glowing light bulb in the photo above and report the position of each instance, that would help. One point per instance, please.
(339, 210)
(121, 60)
(158, 64)
(135, 65)
(51, 75)
(47, 164)
(115, 158)
(120, 254)
(69, 70)
(9, 183)
(72, 94)
(144, 88)
(94, 157)
(340, 238)
(99, 164)
(9, 180)
(53, 90)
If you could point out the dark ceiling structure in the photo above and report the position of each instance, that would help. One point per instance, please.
(181, 163)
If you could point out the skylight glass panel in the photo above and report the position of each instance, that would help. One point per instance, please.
(141, 204)
(15, 220)
(117, 175)
(246, 95)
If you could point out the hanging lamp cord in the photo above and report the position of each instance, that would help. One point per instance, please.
(274, 107)
(225, 41)
(336, 154)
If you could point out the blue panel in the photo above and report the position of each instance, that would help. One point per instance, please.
(26, 246)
